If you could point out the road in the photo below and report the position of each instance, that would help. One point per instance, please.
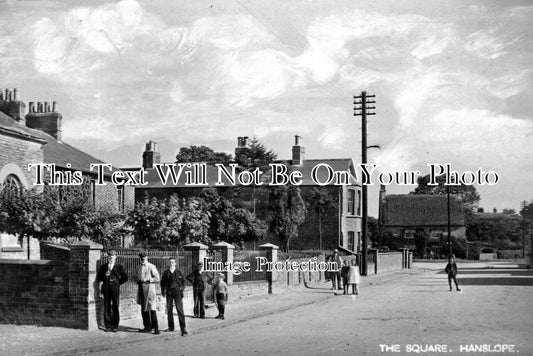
(414, 313)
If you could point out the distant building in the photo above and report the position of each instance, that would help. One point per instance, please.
(341, 224)
(35, 137)
(405, 216)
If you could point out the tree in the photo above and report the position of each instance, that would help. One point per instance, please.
(201, 154)
(287, 212)
(500, 231)
(256, 155)
(321, 202)
(468, 193)
(229, 223)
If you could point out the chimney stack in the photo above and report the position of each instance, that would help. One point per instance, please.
(150, 155)
(298, 152)
(41, 118)
(243, 144)
(12, 106)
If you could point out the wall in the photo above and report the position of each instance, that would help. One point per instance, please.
(35, 292)
(19, 152)
(390, 261)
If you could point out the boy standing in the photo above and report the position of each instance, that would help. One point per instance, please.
(199, 280)
(221, 295)
(451, 270)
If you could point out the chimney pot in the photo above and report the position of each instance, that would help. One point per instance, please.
(1, 96)
(15, 94)
(298, 152)
(9, 95)
(297, 140)
(54, 106)
(39, 106)
(31, 106)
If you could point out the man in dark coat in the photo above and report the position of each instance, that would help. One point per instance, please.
(172, 286)
(199, 280)
(110, 276)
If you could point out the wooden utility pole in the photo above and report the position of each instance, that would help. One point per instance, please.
(362, 109)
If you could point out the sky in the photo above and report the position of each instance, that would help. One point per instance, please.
(453, 80)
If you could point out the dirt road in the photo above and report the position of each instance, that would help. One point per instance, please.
(417, 314)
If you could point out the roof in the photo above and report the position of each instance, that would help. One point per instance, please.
(417, 210)
(54, 151)
(12, 127)
(212, 173)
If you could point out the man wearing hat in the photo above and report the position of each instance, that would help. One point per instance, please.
(336, 276)
(147, 276)
(172, 286)
(199, 280)
(110, 276)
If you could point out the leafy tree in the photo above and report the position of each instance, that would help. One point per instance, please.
(229, 223)
(468, 193)
(256, 155)
(287, 212)
(373, 231)
(421, 241)
(202, 154)
(501, 231)
(170, 223)
(321, 202)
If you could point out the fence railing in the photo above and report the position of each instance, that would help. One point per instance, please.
(250, 257)
(130, 260)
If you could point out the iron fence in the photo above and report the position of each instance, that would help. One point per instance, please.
(252, 275)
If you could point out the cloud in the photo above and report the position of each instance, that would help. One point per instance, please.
(487, 44)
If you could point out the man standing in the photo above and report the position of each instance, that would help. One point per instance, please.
(172, 286)
(111, 276)
(199, 280)
(147, 276)
(336, 275)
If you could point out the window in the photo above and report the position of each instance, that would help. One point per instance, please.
(351, 240)
(409, 234)
(13, 182)
(435, 234)
(359, 202)
(93, 192)
(120, 197)
(351, 201)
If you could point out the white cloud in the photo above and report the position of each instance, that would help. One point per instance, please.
(486, 44)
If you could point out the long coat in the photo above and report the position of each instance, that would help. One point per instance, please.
(147, 276)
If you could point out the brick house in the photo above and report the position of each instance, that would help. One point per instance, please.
(405, 216)
(35, 137)
(341, 223)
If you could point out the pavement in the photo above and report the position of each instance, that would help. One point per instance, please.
(35, 340)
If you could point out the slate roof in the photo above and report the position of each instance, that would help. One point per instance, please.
(54, 151)
(344, 164)
(418, 210)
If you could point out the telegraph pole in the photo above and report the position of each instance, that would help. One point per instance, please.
(362, 108)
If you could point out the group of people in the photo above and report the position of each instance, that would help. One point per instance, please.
(112, 275)
(346, 275)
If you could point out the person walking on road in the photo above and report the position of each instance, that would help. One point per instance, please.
(172, 286)
(451, 270)
(147, 276)
(111, 276)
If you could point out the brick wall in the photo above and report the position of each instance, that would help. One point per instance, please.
(35, 292)
(20, 152)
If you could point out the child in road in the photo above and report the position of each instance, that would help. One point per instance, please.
(451, 270)
(344, 276)
(354, 278)
(221, 295)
